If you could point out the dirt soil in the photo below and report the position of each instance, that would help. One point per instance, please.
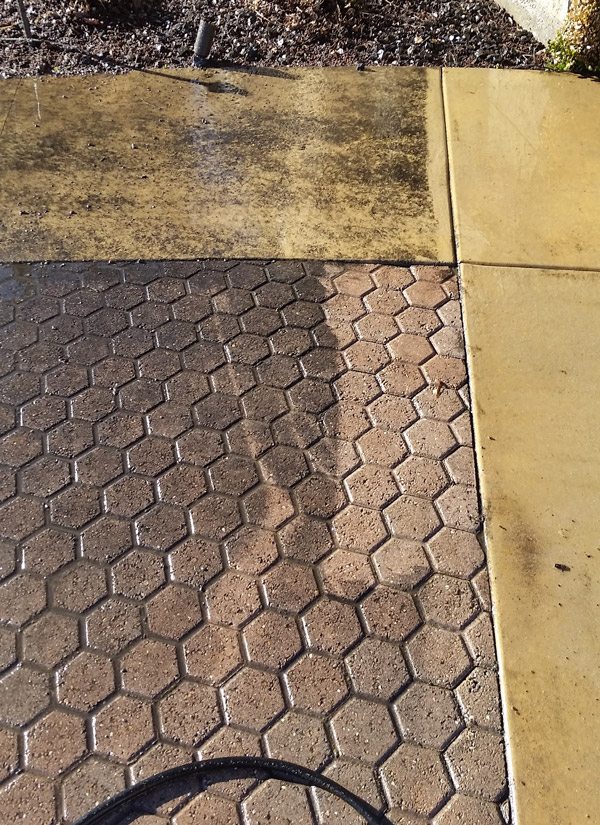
(85, 36)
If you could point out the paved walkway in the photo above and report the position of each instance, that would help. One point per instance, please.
(240, 515)
(495, 171)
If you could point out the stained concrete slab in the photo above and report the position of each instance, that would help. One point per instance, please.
(525, 167)
(534, 357)
(297, 163)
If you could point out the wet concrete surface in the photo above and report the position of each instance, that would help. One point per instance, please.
(239, 517)
(298, 163)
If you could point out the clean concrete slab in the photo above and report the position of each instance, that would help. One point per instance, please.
(534, 358)
(297, 163)
(524, 152)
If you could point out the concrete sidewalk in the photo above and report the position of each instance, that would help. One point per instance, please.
(498, 172)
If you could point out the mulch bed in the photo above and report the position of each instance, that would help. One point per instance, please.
(86, 36)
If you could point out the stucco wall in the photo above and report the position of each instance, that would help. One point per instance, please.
(541, 17)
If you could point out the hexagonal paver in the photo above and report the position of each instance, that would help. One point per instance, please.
(300, 739)
(24, 693)
(290, 586)
(212, 653)
(122, 727)
(75, 506)
(252, 698)
(268, 506)
(316, 683)
(93, 781)
(390, 614)
(401, 563)
(50, 639)
(240, 519)
(251, 549)
(346, 574)
(232, 598)
(371, 486)
(149, 667)
(272, 639)
(173, 611)
(363, 729)
(377, 668)
(399, 773)
(189, 713)
(448, 601)
(112, 625)
(76, 690)
(233, 475)
(182, 485)
(476, 763)
(428, 715)
(413, 518)
(331, 626)
(78, 586)
(161, 527)
(215, 516)
(137, 574)
(438, 656)
(195, 561)
(25, 794)
(22, 597)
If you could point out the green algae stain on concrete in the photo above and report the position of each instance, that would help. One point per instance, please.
(306, 163)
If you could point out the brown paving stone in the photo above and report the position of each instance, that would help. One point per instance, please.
(401, 563)
(400, 770)
(173, 611)
(28, 798)
(50, 639)
(316, 683)
(252, 698)
(358, 778)
(251, 549)
(389, 613)
(24, 693)
(195, 561)
(363, 729)
(475, 760)
(300, 739)
(272, 639)
(137, 574)
(232, 485)
(290, 586)
(448, 601)
(212, 653)
(148, 667)
(428, 715)
(55, 742)
(90, 783)
(232, 598)
(21, 597)
(377, 668)
(331, 626)
(189, 713)
(438, 656)
(112, 625)
(346, 575)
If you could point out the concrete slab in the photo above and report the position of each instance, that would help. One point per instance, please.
(535, 365)
(525, 167)
(302, 163)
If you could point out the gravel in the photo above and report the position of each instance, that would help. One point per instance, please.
(77, 37)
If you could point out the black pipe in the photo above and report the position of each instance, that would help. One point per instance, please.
(242, 767)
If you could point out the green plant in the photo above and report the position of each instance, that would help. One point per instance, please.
(576, 47)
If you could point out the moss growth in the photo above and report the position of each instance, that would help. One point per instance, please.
(576, 47)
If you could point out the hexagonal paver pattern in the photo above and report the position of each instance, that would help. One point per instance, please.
(238, 515)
